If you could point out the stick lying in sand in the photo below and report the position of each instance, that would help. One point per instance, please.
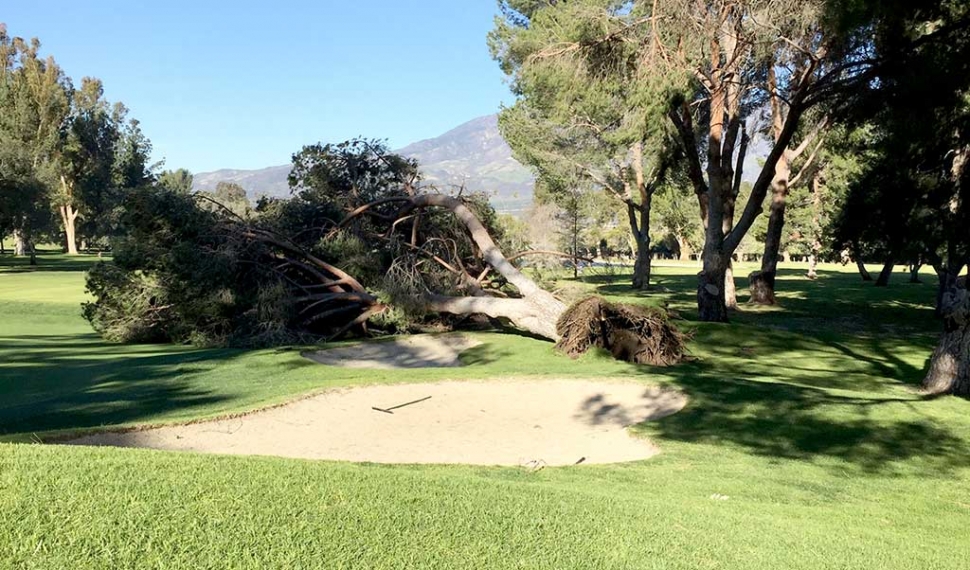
(388, 410)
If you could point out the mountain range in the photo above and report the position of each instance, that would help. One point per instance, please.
(473, 155)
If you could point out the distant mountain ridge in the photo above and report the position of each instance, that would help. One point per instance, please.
(473, 155)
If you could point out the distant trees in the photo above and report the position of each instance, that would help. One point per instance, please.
(178, 181)
(64, 149)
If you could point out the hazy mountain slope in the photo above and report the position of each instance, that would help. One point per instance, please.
(264, 182)
(473, 154)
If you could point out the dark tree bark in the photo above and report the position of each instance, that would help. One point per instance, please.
(886, 273)
(641, 234)
(641, 230)
(914, 272)
(949, 277)
(710, 289)
(949, 371)
(863, 272)
(763, 282)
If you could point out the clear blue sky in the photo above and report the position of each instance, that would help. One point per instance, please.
(244, 84)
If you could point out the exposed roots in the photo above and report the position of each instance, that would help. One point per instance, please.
(642, 335)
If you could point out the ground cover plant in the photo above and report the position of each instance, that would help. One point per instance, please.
(803, 445)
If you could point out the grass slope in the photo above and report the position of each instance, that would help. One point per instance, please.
(804, 416)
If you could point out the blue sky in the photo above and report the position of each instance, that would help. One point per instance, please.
(244, 84)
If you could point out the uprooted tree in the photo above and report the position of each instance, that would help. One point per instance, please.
(359, 244)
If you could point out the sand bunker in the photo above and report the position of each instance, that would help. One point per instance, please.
(414, 351)
(531, 423)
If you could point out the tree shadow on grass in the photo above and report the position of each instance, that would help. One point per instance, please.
(48, 261)
(65, 382)
(784, 421)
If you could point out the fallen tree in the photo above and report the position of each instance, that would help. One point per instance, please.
(635, 334)
(357, 246)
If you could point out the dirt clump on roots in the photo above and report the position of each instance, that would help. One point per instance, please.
(637, 334)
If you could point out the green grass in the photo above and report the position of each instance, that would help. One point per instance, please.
(804, 415)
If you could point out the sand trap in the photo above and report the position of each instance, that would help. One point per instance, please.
(531, 423)
(414, 351)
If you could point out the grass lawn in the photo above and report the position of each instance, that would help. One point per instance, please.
(804, 416)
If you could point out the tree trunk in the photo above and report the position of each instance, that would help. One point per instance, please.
(642, 266)
(711, 306)
(641, 235)
(762, 286)
(641, 229)
(730, 289)
(68, 218)
(863, 272)
(19, 243)
(949, 371)
(914, 272)
(886, 273)
(684, 250)
(763, 282)
(948, 276)
(813, 264)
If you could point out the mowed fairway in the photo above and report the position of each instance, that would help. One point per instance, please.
(803, 445)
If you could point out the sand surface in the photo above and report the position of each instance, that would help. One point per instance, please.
(530, 423)
(413, 351)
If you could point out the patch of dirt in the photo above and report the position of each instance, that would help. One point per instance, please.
(528, 423)
(413, 351)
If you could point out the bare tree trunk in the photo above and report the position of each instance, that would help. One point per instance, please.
(863, 272)
(684, 250)
(886, 273)
(949, 371)
(948, 276)
(711, 305)
(641, 235)
(762, 283)
(730, 289)
(641, 230)
(19, 243)
(914, 272)
(68, 218)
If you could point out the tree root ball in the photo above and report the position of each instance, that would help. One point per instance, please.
(642, 335)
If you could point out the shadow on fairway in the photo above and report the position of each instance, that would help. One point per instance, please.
(49, 261)
(73, 382)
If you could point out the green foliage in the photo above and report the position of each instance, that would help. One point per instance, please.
(75, 149)
(178, 181)
(909, 133)
(180, 274)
